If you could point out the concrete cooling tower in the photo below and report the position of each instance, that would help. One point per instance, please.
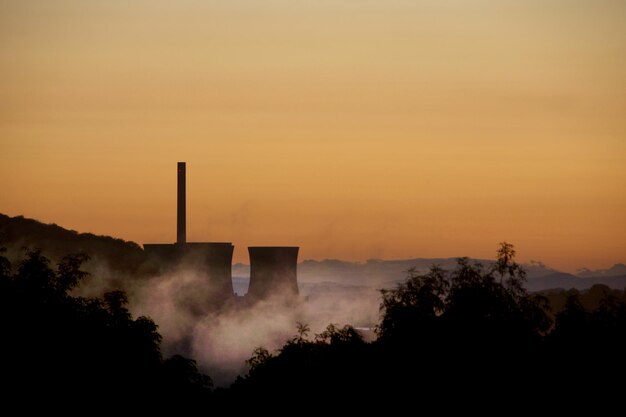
(215, 260)
(273, 270)
(211, 260)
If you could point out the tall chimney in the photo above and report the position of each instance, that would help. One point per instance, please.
(181, 224)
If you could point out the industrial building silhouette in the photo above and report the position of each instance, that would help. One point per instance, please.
(273, 269)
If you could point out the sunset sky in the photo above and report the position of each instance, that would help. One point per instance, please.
(355, 129)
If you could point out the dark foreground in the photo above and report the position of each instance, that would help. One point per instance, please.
(469, 339)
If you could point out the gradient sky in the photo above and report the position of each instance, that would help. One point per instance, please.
(355, 129)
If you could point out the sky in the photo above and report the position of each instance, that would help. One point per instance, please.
(354, 129)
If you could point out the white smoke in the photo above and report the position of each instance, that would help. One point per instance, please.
(221, 339)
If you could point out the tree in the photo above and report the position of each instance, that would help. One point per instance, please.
(474, 320)
(5, 265)
(259, 357)
(59, 345)
(303, 332)
(506, 267)
(69, 274)
(417, 301)
(334, 335)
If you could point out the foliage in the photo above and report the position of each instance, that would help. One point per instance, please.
(90, 347)
(469, 299)
(471, 334)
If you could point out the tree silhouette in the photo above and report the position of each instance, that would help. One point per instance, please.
(471, 336)
(468, 335)
(89, 349)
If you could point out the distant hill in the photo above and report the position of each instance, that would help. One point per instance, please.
(590, 298)
(107, 253)
(615, 270)
(372, 272)
(377, 271)
(382, 273)
(565, 280)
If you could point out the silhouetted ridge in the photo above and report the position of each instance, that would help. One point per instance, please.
(56, 241)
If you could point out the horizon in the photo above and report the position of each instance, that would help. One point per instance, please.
(534, 262)
(355, 130)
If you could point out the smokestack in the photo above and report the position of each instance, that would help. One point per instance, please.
(181, 224)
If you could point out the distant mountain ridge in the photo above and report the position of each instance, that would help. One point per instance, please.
(565, 280)
(615, 270)
(128, 258)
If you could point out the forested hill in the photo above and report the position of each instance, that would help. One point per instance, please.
(55, 242)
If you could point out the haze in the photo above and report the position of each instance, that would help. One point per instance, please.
(353, 129)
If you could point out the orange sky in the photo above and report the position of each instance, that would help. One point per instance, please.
(352, 128)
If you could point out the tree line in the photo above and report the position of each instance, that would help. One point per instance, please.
(65, 351)
(472, 336)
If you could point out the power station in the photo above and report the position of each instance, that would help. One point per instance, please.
(273, 269)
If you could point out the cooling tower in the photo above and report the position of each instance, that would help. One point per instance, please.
(214, 260)
(273, 270)
(211, 259)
